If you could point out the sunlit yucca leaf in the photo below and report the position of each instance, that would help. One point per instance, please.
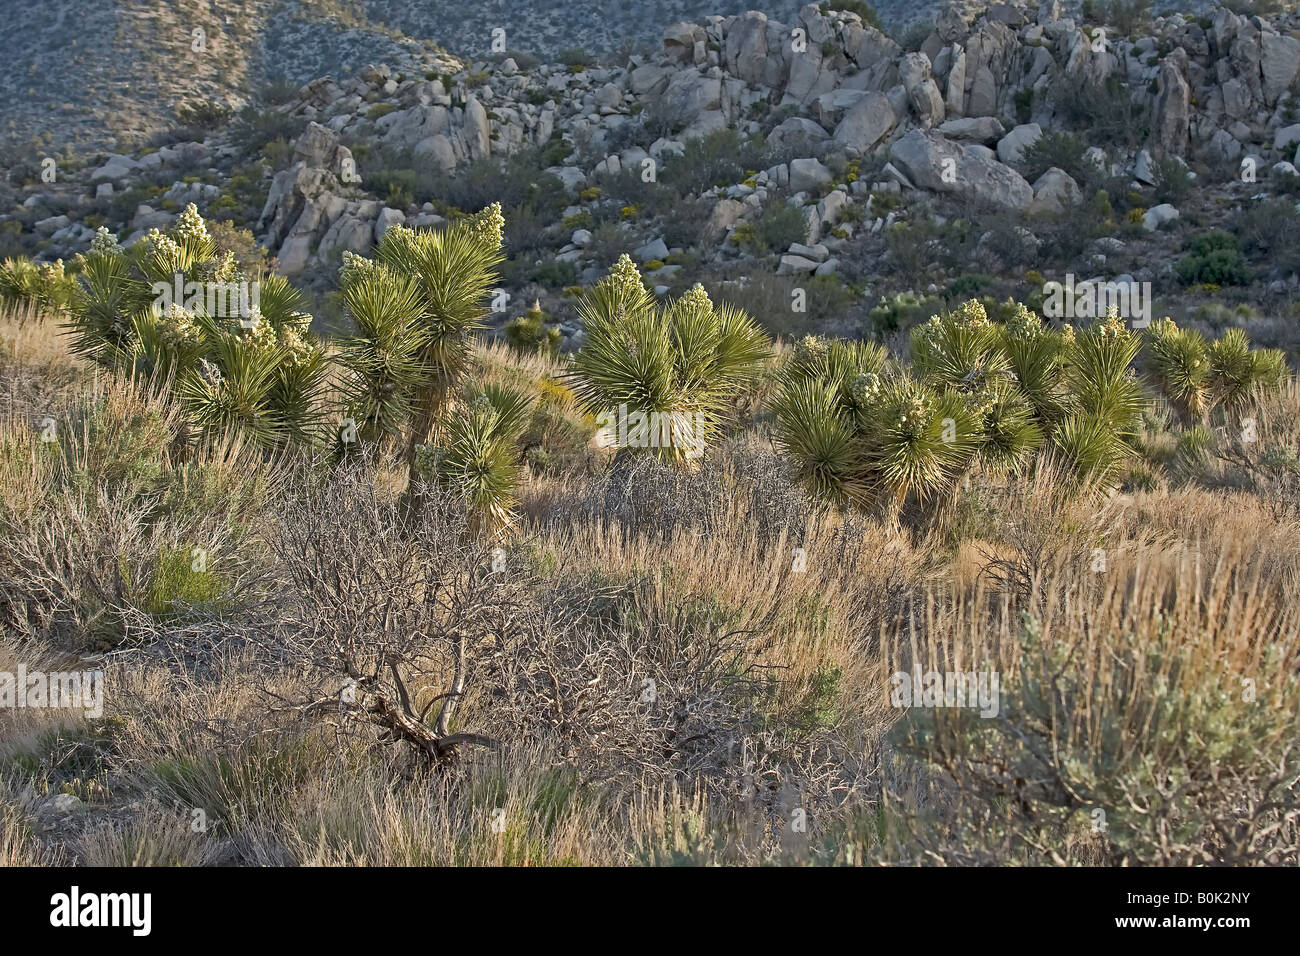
(827, 455)
(1180, 365)
(1011, 434)
(920, 442)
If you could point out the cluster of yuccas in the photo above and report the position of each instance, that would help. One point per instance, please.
(252, 371)
(996, 397)
(860, 428)
(1196, 376)
(416, 306)
(47, 285)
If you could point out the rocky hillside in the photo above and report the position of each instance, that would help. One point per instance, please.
(746, 147)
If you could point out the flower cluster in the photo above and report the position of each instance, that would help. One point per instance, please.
(1113, 325)
(177, 328)
(809, 349)
(162, 245)
(1023, 324)
(190, 226)
(982, 401)
(696, 298)
(354, 266)
(105, 243)
(624, 277)
(489, 225)
(914, 414)
(972, 315)
(865, 389)
(1164, 327)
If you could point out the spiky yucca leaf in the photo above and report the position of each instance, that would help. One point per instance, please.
(1038, 361)
(1237, 372)
(108, 298)
(1010, 433)
(682, 365)
(1180, 366)
(1101, 377)
(278, 302)
(454, 270)
(962, 350)
(477, 456)
(820, 437)
(920, 442)
(384, 361)
(230, 392)
(1089, 445)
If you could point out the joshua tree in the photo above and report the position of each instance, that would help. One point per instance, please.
(239, 362)
(416, 306)
(680, 365)
(1196, 376)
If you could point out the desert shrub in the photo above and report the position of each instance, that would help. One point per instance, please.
(1126, 16)
(1213, 258)
(533, 332)
(784, 305)
(1119, 736)
(253, 129)
(555, 274)
(197, 118)
(901, 311)
(781, 225)
(109, 514)
(1107, 109)
(1061, 149)
(720, 158)
(1173, 181)
(1270, 232)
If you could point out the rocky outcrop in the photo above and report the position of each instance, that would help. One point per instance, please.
(932, 162)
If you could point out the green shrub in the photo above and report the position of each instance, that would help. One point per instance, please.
(1213, 258)
(533, 332)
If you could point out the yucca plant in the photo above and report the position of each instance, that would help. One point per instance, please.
(919, 441)
(475, 454)
(1236, 372)
(675, 370)
(1105, 401)
(1180, 365)
(47, 285)
(1037, 357)
(251, 367)
(962, 351)
(416, 306)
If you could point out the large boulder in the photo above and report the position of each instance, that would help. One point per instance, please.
(932, 162)
(478, 139)
(688, 95)
(1173, 100)
(1055, 191)
(867, 123)
(807, 174)
(927, 102)
(1011, 148)
(1279, 64)
(746, 48)
(974, 129)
